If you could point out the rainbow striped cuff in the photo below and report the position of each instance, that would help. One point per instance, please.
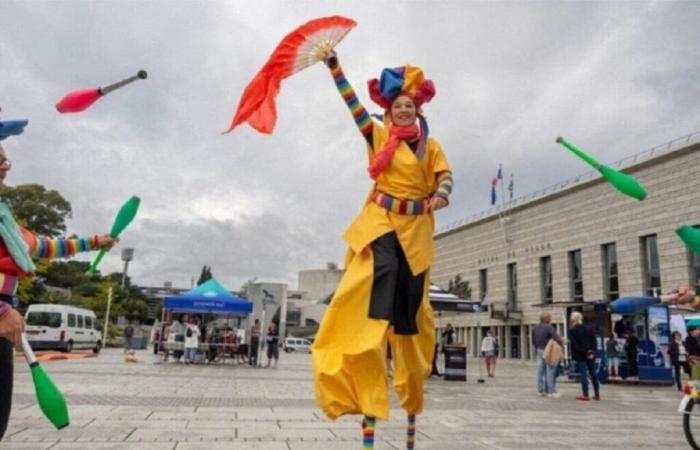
(48, 248)
(445, 185)
(8, 284)
(359, 113)
(403, 207)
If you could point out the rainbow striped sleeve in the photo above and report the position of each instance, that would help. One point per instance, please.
(48, 248)
(359, 113)
(445, 184)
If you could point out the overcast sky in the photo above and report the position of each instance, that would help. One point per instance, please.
(615, 78)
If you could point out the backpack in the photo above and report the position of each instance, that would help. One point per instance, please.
(496, 347)
(188, 333)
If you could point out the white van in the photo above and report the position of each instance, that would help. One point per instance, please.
(62, 327)
(292, 344)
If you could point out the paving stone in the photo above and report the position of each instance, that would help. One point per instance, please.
(170, 406)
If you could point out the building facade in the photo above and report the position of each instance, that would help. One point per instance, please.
(580, 241)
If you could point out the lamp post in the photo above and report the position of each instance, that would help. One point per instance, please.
(127, 256)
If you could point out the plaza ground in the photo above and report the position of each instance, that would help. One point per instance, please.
(147, 406)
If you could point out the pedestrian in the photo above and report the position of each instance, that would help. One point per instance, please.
(254, 343)
(383, 294)
(631, 351)
(612, 355)
(489, 351)
(546, 373)
(177, 330)
(18, 248)
(679, 357)
(192, 335)
(447, 337)
(128, 334)
(273, 344)
(693, 348)
(583, 348)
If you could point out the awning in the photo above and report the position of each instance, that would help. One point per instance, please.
(442, 300)
(209, 297)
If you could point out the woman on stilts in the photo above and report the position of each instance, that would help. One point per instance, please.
(384, 292)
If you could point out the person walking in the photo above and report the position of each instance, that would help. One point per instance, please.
(489, 350)
(541, 334)
(583, 348)
(254, 343)
(177, 330)
(19, 248)
(692, 346)
(128, 335)
(679, 357)
(273, 344)
(612, 355)
(192, 335)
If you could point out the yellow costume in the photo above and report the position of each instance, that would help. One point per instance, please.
(349, 353)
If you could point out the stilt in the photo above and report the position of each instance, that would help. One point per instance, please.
(368, 432)
(411, 432)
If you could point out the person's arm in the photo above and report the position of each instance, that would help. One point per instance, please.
(359, 113)
(50, 248)
(554, 335)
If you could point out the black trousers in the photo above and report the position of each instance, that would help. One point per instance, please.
(633, 368)
(254, 347)
(6, 378)
(396, 292)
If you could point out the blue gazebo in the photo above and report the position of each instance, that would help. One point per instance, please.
(209, 297)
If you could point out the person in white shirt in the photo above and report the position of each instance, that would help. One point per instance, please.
(192, 335)
(489, 350)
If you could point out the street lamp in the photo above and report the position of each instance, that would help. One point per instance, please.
(127, 255)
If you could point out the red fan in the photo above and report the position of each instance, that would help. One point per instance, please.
(82, 99)
(308, 44)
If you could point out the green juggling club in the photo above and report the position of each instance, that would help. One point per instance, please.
(124, 217)
(621, 181)
(690, 237)
(50, 399)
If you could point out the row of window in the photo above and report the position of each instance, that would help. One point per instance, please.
(79, 321)
(651, 274)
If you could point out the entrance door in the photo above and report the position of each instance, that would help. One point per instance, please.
(515, 342)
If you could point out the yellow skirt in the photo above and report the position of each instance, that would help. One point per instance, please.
(349, 353)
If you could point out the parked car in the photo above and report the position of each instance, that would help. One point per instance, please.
(292, 344)
(62, 327)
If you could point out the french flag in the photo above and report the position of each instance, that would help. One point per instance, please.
(494, 182)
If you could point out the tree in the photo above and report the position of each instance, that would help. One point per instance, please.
(205, 275)
(42, 211)
(460, 287)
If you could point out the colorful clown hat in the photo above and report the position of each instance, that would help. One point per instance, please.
(407, 80)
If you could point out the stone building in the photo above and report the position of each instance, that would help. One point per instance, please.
(578, 241)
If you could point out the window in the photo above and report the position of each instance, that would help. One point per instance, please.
(80, 321)
(44, 319)
(71, 320)
(610, 281)
(88, 322)
(483, 283)
(651, 273)
(576, 275)
(513, 286)
(546, 279)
